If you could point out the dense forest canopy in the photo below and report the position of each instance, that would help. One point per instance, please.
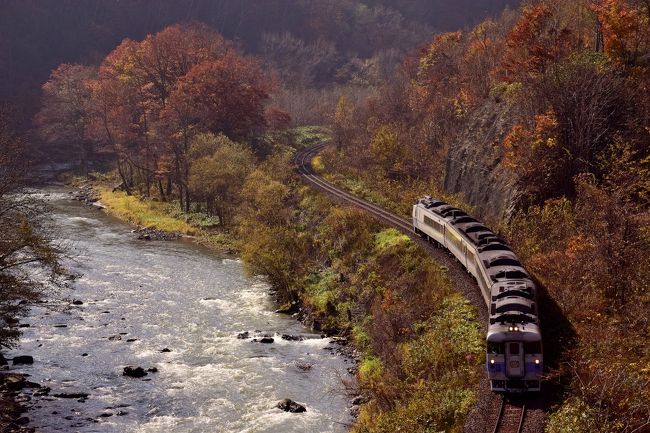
(36, 36)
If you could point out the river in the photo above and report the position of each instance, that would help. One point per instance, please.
(140, 297)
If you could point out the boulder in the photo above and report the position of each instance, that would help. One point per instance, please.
(132, 371)
(152, 370)
(266, 340)
(243, 335)
(289, 405)
(23, 359)
(71, 395)
(77, 302)
(13, 381)
(303, 366)
(165, 350)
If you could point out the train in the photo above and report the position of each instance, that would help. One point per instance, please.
(514, 355)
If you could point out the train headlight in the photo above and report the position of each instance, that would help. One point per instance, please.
(511, 328)
(492, 361)
(516, 328)
(537, 361)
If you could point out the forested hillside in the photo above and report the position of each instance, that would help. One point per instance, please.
(311, 43)
(540, 119)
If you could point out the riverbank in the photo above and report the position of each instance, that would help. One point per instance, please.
(12, 412)
(153, 219)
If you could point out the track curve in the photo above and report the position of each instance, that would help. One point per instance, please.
(512, 414)
(303, 163)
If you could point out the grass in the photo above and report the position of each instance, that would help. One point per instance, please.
(388, 238)
(148, 214)
(306, 136)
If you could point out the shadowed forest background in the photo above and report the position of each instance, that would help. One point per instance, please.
(314, 43)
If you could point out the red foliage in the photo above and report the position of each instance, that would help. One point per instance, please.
(226, 95)
(536, 42)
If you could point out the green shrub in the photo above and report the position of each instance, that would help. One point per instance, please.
(575, 416)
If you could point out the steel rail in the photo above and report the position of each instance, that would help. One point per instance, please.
(303, 161)
(500, 427)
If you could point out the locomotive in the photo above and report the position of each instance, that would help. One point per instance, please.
(514, 360)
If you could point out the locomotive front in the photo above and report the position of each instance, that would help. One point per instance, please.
(514, 355)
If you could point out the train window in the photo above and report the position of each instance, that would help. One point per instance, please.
(514, 348)
(433, 224)
(515, 292)
(495, 348)
(533, 347)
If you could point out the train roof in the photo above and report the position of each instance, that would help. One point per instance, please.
(512, 304)
(503, 273)
(492, 259)
(500, 291)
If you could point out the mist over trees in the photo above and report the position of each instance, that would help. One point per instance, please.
(328, 40)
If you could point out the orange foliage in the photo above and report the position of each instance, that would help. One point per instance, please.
(226, 95)
(626, 29)
(535, 43)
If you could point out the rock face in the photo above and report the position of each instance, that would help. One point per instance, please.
(23, 359)
(132, 371)
(289, 405)
(472, 166)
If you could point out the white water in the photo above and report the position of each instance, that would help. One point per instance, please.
(179, 296)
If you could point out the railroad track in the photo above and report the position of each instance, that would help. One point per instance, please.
(511, 417)
(303, 162)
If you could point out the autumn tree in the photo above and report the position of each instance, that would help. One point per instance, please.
(218, 171)
(226, 96)
(27, 238)
(134, 83)
(65, 115)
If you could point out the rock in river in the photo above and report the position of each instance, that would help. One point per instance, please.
(72, 395)
(132, 371)
(289, 405)
(23, 359)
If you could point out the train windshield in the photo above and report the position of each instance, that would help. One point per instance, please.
(513, 318)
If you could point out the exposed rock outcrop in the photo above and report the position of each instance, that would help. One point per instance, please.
(472, 166)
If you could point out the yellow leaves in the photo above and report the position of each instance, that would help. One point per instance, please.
(517, 137)
(386, 150)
